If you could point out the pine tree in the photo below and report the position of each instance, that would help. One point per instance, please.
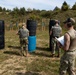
(65, 6)
(74, 6)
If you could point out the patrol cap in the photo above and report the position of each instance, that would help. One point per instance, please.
(23, 24)
(57, 21)
(69, 20)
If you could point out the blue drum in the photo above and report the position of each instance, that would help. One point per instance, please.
(31, 43)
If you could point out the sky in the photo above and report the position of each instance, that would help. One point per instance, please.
(35, 4)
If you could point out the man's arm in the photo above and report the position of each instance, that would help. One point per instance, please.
(60, 31)
(18, 32)
(50, 32)
(66, 42)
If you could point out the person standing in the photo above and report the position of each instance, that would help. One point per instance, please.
(67, 61)
(43, 25)
(17, 25)
(23, 35)
(55, 31)
(11, 25)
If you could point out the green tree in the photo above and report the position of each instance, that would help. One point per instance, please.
(65, 6)
(15, 11)
(4, 9)
(45, 13)
(29, 10)
(22, 11)
(0, 9)
(8, 10)
(56, 9)
(74, 6)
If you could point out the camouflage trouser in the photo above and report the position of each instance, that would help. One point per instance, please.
(67, 63)
(55, 46)
(24, 44)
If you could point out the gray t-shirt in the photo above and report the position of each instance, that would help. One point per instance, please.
(56, 31)
(23, 33)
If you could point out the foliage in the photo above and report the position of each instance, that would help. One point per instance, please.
(22, 11)
(4, 9)
(0, 9)
(56, 9)
(32, 17)
(74, 7)
(46, 14)
(65, 6)
(21, 15)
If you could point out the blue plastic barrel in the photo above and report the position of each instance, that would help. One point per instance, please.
(31, 43)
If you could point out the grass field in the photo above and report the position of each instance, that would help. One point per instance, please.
(39, 62)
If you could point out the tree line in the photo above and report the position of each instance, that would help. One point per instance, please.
(21, 13)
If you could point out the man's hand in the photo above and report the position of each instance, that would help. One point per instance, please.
(60, 45)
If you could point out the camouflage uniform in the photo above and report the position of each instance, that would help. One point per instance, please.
(23, 35)
(23, 44)
(55, 47)
(67, 62)
(56, 31)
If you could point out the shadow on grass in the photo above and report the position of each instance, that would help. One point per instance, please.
(27, 73)
(14, 47)
(12, 52)
(41, 52)
(43, 49)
